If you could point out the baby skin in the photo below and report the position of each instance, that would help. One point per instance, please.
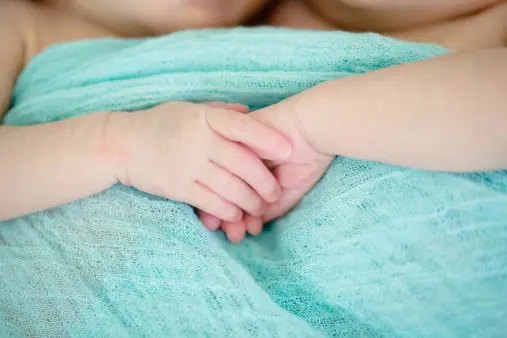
(444, 114)
(142, 149)
(460, 129)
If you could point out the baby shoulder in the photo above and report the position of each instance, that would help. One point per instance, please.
(40, 26)
(13, 49)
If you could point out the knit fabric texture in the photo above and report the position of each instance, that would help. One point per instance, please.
(373, 250)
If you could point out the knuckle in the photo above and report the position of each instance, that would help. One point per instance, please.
(270, 187)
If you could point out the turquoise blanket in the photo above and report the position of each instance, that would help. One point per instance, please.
(373, 250)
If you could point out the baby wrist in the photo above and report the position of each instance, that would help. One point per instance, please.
(115, 145)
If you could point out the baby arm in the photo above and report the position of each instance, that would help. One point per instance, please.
(445, 114)
(45, 165)
(448, 113)
(185, 152)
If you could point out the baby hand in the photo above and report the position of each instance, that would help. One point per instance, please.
(296, 175)
(205, 156)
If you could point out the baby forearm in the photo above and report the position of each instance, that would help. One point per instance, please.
(448, 113)
(46, 165)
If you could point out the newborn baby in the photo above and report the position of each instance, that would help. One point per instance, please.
(106, 148)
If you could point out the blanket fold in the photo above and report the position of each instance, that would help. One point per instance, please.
(373, 250)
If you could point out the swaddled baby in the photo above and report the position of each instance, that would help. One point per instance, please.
(268, 159)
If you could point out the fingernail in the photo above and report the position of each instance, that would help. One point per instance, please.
(256, 233)
(236, 238)
(275, 194)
